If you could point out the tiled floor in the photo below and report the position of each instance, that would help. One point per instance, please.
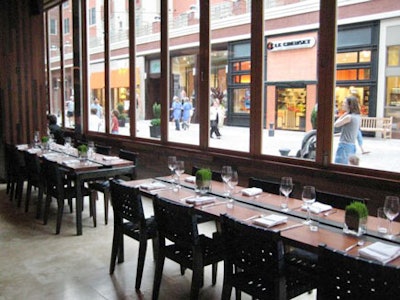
(37, 264)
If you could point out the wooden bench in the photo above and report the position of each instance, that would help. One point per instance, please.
(377, 124)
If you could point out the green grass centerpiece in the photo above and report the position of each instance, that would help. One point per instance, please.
(356, 216)
(203, 180)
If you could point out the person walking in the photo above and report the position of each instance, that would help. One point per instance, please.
(176, 111)
(186, 111)
(70, 105)
(114, 121)
(214, 119)
(349, 122)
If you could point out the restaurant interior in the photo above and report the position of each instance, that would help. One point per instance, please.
(80, 248)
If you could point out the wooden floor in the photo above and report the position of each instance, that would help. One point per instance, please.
(37, 264)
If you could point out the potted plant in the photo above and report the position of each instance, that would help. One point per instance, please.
(155, 124)
(83, 152)
(203, 180)
(356, 215)
(122, 115)
(45, 142)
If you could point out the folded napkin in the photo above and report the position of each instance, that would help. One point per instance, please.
(152, 186)
(252, 191)
(50, 155)
(109, 158)
(317, 207)
(22, 146)
(34, 150)
(380, 251)
(191, 179)
(201, 200)
(71, 162)
(271, 220)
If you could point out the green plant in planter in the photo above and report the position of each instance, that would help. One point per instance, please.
(45, 139)
(356, 215)
(203, 176)
(82, 149)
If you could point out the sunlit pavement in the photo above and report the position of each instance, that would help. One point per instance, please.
(384, 153)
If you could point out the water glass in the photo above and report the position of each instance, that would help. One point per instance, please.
(286, 188)
(383, 222)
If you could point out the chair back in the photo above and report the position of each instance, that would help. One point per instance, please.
(176, 222)
(251, 249)
(127, 203)
(132, 156)
(336, 200)
(33, 167)
(342, 276)
(215, 175)
(268, 186)
(102, 149)
(54, 179)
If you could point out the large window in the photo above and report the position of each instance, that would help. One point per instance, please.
(263, 77)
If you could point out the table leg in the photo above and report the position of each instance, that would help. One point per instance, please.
(79, 205)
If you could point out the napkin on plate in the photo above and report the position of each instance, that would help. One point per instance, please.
(109, 158)
(318, 207)
(380, 251)
(270, 220)
(152, 185)
(191, 179)
(201, 200)
(252, 191)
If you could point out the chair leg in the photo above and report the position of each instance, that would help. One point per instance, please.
(158, 274)
(60, 212)
(155, 248)
(121, 255)
(141, 259)
(12, 190)
(46, 209)
(114, 249)
(39, 203)
(214, 273)
(28, 196)
(93, 208)
(106, 201)
(18, 193)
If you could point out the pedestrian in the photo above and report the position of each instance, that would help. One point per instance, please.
(215, 114)
(176, 111)
(70, 106)
(55, 130)
(98, 107)
(349, 122)
(361, 142)
(114, 121)
(94, 120)
(186, 111)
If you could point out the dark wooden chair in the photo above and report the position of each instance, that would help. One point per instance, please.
(342, 276)
(129, 220)
(215, 175)
(102, 149)
(268, 186)
(17, 173)
(178, 223)
(132, 156)
(35, 179)
(58, 186)
(337, 200)
(254, 263)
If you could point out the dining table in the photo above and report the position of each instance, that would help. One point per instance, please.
(97, 167)
(249, 208)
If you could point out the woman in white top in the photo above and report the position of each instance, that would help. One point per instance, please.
(349, 123)
(215, 115)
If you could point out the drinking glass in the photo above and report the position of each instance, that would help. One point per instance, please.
(286, 188)
(171, 165)
(391, 210)
(36, 139)
(91, 150)
(67, 145)
(179, 170)
(308, 197)
(226, 175)
(231, 187)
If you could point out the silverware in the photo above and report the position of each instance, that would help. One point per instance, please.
(290, 227)
(359, 243)
(331, 212)
(213, 204)
(253, 217)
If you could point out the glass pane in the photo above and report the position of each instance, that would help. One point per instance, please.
(393, 56)
(57, 103)
(148, 69)
(230, 63)
(96, 66)
(184, 127)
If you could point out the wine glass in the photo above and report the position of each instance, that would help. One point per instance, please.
(226, 175)
(91, 150)
(171, 165)
(391, 210)
(286, 188)
(308, 197)
(231, 187)
(179, 170)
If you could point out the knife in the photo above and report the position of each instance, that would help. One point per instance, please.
(290, 227)
(213, 204)
(331, 212)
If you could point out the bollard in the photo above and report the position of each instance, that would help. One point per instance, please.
(271, 131)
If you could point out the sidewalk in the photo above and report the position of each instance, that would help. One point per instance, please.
(384, 153)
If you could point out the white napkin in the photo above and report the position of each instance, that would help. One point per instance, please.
(109, 158)
(252, 191)
(22, 146)
(34, 150)
(201, 200)
(191, 179)
(152, 186)
(271, 220)
(380, 251)
(71, 162)
(318, 207)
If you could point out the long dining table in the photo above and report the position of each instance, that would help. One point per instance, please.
(248, 208)
(95, 168)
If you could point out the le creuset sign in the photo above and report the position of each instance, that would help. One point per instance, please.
(308, 42)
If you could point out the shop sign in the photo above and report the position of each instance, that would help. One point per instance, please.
(308, 42)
